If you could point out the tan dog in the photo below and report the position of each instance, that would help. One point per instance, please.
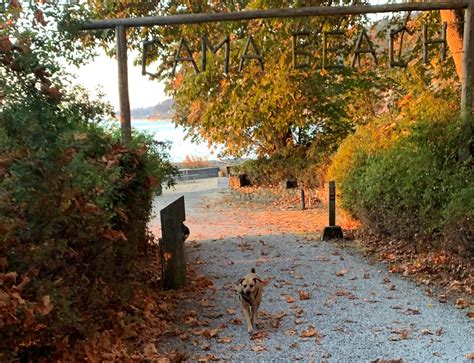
(250, 291)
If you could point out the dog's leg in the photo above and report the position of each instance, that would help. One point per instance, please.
(255, 314)
(248, 317)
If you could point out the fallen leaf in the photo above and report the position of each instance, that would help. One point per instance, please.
(206, 303)
(411, 311)
(304, 295)
(231, 311)
(210, 333)
(461, 303)
(150, 350)
(208, 358)
(401, 335)
(342, 272)
(236, 321)
(224, 340)
(280, 315)
(259, 335)
(258, 348)
(46, 307)
(470, 356)
(290, 300)
(308, 333)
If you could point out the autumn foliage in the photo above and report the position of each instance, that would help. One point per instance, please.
(400, 175)
(192, 161)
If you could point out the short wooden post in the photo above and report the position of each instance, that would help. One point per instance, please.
(332, 203)
(303, 204)
(467, 85)
(172, 244)
(332, 231)
(125, 125)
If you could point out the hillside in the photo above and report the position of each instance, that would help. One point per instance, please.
(162, 110)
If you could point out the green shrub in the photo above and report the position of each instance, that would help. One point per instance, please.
(74, 202)
(407, 182)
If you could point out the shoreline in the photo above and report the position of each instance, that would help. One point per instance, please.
(162, 118)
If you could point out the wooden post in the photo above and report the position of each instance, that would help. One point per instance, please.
(125, 124)
(332, 231)
(172, 244)
(303, 204)
(332, 203)
(467, 85)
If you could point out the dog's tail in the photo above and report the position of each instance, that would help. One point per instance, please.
(252, 270)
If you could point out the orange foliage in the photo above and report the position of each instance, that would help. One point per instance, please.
(193, 162)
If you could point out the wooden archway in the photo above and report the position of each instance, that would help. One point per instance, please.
(467, 94)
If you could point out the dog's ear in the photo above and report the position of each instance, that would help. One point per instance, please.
(255, 279)
(240, 281)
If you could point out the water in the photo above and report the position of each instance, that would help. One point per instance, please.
(165, 130)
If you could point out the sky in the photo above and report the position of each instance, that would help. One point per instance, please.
(103, 73)
(143, 92)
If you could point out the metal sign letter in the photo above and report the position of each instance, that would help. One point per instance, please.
(256, 56)
(441, 41)
(298, 50)
(326, 49)
(189, 58)
(358, 50)
(205, 44)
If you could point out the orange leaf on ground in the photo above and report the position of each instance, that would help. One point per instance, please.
(290, 300)
(462, 303)
(304, 295)
(46, 307)
(470, 356)
(259, 335)
(258, 348)
(342, 272)
(208, 358)
(210, 333)
(150, 350)
(308, 333)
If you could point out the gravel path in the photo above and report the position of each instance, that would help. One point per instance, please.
(351, 310)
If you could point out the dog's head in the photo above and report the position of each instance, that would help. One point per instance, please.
(249, 284)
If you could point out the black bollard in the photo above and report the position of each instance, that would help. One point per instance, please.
(332, 231)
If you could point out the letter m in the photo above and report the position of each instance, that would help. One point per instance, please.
(206, 44)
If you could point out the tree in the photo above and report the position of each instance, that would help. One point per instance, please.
(252, 110)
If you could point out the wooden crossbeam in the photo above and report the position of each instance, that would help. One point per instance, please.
(271, 13)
